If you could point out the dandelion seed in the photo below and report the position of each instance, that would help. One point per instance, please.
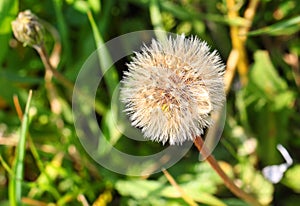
(172, 87)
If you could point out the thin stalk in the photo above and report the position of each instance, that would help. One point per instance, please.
(238, 57)
(108, 70)
(15, 185)
(45, 59)
(183, 194)
(156, 19)
(227, 181)
(99, 107)
(237, 43)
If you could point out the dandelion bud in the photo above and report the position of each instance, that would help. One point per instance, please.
(172, 87)
(28, 29)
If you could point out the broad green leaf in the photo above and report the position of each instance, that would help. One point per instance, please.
(8, 12)
(265, 105)
(194, 192)
(256, 183)
(264, 75)
(139, 188)
(266, 86)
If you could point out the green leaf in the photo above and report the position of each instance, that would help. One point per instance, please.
(81, 6)
(139, 189)
(265, 105)
(110, 73)
(264, 75)
(291, 178)
(15, 185)
(8, 11)
(193, 191)
(285, 27)
(266, 86)
(235, 202)
(256, 183)
(95, 5)
(111, 128)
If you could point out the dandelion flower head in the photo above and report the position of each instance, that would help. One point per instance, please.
(171, 88)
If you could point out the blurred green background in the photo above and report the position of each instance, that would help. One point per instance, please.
(263, 104)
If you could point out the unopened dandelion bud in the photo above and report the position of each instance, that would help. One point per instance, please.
(172, 87)
(28, 29)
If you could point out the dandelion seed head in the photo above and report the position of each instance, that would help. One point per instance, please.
(171, 87)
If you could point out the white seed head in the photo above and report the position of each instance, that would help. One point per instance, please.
(172, 87)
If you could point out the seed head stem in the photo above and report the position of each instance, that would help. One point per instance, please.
(227, 181)
(45, 59)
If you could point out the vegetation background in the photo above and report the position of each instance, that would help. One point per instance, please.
(259, 41)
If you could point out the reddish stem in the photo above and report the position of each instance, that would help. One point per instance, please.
(227, 181)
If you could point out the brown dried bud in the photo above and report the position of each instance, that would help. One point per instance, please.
(28, 29)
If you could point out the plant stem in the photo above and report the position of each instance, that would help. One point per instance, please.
(184, 196)
(45, 59)
(99, 107)
(227, 181)
(15, 185)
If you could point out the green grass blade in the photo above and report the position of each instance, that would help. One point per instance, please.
(63, 30)
(286, 27)
(110, 76)
(5, 165)
(15, 185)
(156, 19)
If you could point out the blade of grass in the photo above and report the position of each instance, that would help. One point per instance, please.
(111, 79)
(62, 27)
(110, 76)
(183, 194)
(156, 19)
(106, 14)
(15, 185)
(5, 166)
(286, 27)
(33, 149)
